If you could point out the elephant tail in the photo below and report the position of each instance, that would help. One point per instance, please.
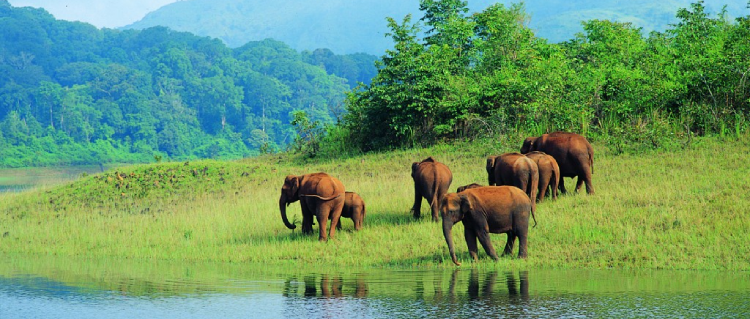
(435, 190)
(591, 158)
(533, 210)
(364, 210)
(322, 198)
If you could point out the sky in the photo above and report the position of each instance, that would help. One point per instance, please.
(101, 13)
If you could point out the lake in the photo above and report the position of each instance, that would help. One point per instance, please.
(21, 179)
(50, 287)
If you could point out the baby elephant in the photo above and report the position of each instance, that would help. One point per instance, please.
(485, 210)
(354, 208)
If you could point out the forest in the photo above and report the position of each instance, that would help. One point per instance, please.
(73, 94)
(487, 74)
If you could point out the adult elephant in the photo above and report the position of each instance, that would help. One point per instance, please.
(320, 195)
(549, 173)
(485, 210)
(573, 154)
(431, 182)
(514, 169)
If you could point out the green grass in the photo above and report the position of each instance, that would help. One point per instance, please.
(685, 209)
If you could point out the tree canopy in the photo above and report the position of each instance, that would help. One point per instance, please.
(453, 75)
(73, 94)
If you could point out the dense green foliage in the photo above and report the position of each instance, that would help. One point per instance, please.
(349, 27)
(73, 94)
(489, 74)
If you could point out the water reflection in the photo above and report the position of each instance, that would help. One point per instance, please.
(325, 285)
(112, 289)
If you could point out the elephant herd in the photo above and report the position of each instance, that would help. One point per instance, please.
(504, 206)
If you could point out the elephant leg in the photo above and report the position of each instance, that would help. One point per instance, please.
(434, 206)
(543, 184)
(579, 183)
(307, 218)
(520, 229)
(322, 223)
(336, 207)
(561, 186)
(484, 239)
(471, 242)
(522, 238)
(554, 186)
(509, 244)
(415, 209)
(357, 219)
(587, 180)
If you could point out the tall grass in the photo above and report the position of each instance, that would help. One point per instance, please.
(684, 209)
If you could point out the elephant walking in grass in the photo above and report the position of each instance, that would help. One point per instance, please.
(431, 182)
(514, 169)
(573, 154)
(485, 210)
(320, 195)
(549, 174)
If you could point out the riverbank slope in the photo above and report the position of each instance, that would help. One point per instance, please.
(685, 209)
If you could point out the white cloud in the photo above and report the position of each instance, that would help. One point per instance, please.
(101, 13)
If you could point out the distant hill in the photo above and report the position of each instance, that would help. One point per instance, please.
(74, 94)
(346, 26)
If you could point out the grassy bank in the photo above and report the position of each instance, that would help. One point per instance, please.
(684, 209)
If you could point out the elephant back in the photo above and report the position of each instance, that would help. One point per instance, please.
(432, 177)
(503, 169)
(321, 185)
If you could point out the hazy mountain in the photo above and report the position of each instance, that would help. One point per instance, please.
(346, 26)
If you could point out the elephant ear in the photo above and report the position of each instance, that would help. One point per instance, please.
(490, 163)
(292, 184)
(414, 167)
(466, 203)
(528, 145)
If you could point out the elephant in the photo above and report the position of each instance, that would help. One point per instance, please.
(431, 182)
(549, 173)
(514, 169)
(320, 195)
(485, 210)
(465, 187)
(354, 208)
(573, 154)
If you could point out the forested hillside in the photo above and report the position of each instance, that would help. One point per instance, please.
(346, 26)
(488, 75)
(71, 93)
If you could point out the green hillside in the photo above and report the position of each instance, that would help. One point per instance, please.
(651, 211)
(74, 94)
(349, 26)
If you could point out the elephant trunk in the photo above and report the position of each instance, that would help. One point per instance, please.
(447, 226)
(282, 207)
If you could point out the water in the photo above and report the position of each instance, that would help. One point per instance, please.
(59, 288)
(22, 179)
